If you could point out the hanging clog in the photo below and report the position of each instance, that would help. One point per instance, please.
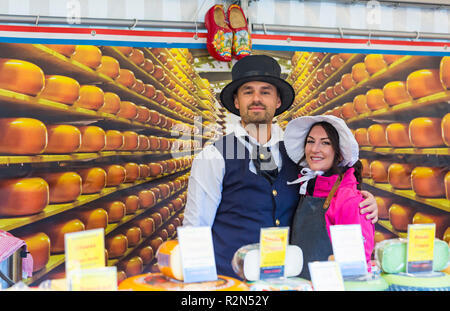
(220, 37)
(242, 44)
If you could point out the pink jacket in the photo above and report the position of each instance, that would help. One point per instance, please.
(344, 207)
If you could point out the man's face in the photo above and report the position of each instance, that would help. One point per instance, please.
(257, 102)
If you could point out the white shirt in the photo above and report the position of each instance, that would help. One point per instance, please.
(207, 172)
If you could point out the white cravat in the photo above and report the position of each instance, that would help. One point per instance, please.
(307, 174)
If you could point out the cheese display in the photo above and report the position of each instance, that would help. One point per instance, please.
(63, 186)
(245, 262)
(62, 138)
(61, 89)
(25, 136)
(21, 76)
(390, 255)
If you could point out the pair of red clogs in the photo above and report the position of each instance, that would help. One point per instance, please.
(227, 35)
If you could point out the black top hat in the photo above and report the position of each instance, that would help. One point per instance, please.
(257, 68)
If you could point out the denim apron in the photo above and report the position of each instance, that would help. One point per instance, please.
(309, 229)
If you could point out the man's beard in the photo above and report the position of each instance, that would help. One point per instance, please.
(261, 117)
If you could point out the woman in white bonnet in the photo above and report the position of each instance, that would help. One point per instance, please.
(330, 176)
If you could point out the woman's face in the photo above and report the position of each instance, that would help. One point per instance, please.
(318, 150)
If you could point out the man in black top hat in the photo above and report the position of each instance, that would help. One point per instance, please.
(238, 185)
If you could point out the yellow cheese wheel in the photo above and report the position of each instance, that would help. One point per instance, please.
(91, 97)
(63, 186)
(125, 50)
(109, 66)
(143, 142)
(382, 235)
(445, 128)
(154, 143)
(361, 136)
(157, 218)
(115, 174)
(446, 236)
(348, 110)
(444, 71)
(390, 58)
(116, 210)
(146, 253)
(93, 179)
(111, 103)
(400, 216)
(147, 225)
(126, 78)
(64, 49)
(374, 63)
(93, 138)
(425, 132)
(379, 171)
(359, 72)
(428, 181)
(132, 171)
(63, 138)
(144, 170)
(57, 229)
(60, 89)
(38, 245)
(375, 99)
(360, 104)
(148, 66)
(116, 245)
(383, 204)
(149, 91)
(131, 202)
(24, 136)
(376, 134)
(397, 134)
(424, 82)
(21, 76)
(132, 266)
(395, 93)
(92, 218)
(143, 114)
(347, 81)
(128, 110)
(137, 56)
(131, 141)
(133, 234)
(165, 190)
(147, 198)
(156, 243)
(88, 55)
(440, 218)
(399, 175)
(114, 140)
(23, 196)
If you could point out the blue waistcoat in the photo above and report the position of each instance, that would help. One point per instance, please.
(249, 202)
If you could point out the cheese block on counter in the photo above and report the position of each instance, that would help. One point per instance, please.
(21, 76)
(22, 136)
(245, 262)
(168, 258)
(159, 282)
(63, 186)
(23, 196)
(60, 89)
(390, 255)
(63, 138)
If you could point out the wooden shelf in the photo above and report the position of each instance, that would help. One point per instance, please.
(439, 203)
(445, 151)
(387, 225)
(11, 223)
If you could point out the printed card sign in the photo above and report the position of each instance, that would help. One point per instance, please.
(95, 279)
(326, 276)
(197, 254)
(420, 250)
(348, 249)
(273, 244)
